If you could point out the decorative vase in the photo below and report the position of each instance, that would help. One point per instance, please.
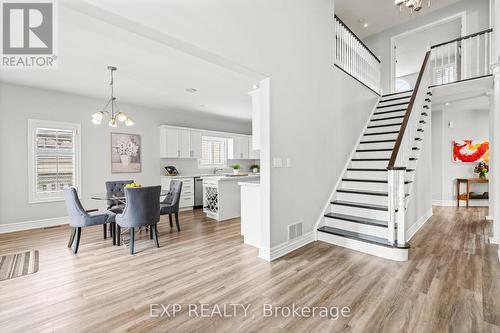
(482, 175)
(255, 170)
(125, 159)
(236, 171)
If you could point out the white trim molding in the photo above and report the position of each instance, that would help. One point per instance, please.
(34, 224)
(453, 203)
(418, 224)
(284, 248)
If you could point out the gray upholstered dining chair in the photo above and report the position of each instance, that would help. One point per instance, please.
(170, 205)
(79, 218)
(142, 208)
(116, 187)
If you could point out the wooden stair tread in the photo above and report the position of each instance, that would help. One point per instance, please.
(398, 93)
(357, 219)
(377, 141)
(359, 205)
(381, 133)
(358, 180)
(385, 125)
(387, 118)
(390, 111)
(391, 105)
(358, 236)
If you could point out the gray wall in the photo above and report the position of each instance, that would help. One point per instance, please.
(477, 18)
(19, 103)
(467, 124)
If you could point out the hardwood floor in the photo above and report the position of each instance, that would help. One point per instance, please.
(450, 284)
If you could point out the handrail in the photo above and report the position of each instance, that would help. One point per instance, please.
(395, 151)
(357, 38)
(464, 37)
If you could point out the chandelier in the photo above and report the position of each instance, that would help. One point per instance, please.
(114, 113)
(413, 5)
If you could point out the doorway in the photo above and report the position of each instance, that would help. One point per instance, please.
(408, 49)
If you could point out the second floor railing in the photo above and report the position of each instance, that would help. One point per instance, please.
(460, 59)
(355, 58)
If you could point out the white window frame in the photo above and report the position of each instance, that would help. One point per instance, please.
(33, 124)
(212, 166)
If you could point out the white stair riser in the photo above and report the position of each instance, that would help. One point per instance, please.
(386, 121)
(373, 249)
(373, 154)
(362, 212)
(362, 198)
(376, 145)
(390, 114)
(406, 94)
(396, 101)
(356, 227)
(369, 164)
(392, 107)
(379, 175)
(367, 186)
(383, 129)
(392, 136)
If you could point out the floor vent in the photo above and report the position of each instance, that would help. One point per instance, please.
(294, 230)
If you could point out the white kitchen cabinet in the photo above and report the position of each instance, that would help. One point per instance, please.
(195, 142)
(187, 194)
(175, 142)
(238, 147)
(253, 154)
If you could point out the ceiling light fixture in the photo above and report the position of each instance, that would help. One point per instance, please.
(365, 25)
(114, 114)
(413, 5)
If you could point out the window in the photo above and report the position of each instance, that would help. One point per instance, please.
(443, 74)
(402, 85)
(54, 159)
(213, 152)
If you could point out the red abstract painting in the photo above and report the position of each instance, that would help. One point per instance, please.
(471, 151)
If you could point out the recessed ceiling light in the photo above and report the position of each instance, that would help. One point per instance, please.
(447, 103)
(255, 86)
(365, 25)
(202, 105)
(191, 90)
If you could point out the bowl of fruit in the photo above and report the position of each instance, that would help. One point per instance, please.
(133, 185)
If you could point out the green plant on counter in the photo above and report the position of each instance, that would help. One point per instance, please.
(236, 166)
(255, 166)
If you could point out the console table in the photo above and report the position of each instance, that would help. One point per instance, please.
(467, 196)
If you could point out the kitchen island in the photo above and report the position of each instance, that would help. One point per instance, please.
(221, 195)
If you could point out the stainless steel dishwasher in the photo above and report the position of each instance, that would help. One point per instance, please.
(198, 192)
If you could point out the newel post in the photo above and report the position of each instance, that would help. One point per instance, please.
(391, 200)
(400, 207)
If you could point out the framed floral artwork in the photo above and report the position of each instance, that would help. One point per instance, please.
(125, 153)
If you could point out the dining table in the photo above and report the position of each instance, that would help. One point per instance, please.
(121, 198)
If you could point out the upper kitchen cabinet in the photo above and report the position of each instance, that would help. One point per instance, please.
(238, 147)
(175, 142)
(253, 154)
(195, 141)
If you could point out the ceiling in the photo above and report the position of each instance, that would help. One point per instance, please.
(379, 14)
(150, 73)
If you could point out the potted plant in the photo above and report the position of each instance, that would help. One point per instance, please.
(236, 168)
(255, 168)
(482, 169)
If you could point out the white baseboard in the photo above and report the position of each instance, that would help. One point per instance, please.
(453, 203)
(418, 224)
(287, 247)
(26, 225)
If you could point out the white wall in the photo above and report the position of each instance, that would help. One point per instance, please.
(467, 124)
(19, 103)
(477, 18)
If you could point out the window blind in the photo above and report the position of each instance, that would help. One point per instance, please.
(213, 152)
(54, 159)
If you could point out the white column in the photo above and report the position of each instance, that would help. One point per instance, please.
(495, 153)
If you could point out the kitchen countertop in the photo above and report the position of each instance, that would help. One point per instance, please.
(207, 175)
(235, 178)
(251, 183)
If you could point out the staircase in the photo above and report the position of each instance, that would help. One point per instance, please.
(369, 204)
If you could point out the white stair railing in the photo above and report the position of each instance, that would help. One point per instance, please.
(461, 59)
(355, 58)
(401, 154)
